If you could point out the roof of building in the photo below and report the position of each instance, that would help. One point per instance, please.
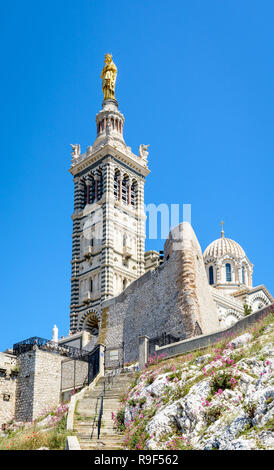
(249, 291)
(223, 246)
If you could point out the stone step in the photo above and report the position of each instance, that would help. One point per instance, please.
(117, 390)
(88, 411)
(89, 402)
(107, 404)
(88, 429)
(110, 439)
(103, 437)
(91, 436)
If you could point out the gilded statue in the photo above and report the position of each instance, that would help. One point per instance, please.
(108, 77)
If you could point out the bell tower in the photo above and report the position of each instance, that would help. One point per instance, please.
(108, 220)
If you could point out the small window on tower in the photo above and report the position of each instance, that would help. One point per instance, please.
(116, 185)
(91, 285)
(125, 190)
(133, 194)
(99, 186)
(85, 195)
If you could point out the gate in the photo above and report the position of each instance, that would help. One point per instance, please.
(93, 363)
(75, 373)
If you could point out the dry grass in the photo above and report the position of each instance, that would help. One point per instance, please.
(33, 438)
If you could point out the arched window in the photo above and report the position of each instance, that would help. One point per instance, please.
(124, 283)
(91, 190)
(85, 195)
(211, 275)
(228, 272)
(243, 275)
(99, 185)
(125, 190)
(134, 194)
(91, 285)
(116, 188)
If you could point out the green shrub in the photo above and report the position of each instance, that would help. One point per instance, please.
(222, 380)
(142, 401)
(132, 403)
(120, 417)
(247, 310)
(212, 414)
(250, 409)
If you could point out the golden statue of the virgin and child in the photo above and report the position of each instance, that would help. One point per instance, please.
(108, 77)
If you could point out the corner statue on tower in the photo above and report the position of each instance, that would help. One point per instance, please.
(108, 77)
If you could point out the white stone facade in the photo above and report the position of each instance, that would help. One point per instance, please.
(108, 220)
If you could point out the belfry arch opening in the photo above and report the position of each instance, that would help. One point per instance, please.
(91, 324)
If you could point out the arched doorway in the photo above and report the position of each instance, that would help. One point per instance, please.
(91, 324)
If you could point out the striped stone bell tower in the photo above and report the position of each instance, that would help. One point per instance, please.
(108, 218)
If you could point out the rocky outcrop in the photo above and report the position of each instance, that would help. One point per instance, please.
(223, 399)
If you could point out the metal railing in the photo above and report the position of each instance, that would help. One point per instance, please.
(107, 384)
(100, 417)
(50, 346)
(162, 340)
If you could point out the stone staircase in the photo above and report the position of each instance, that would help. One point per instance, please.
(87, 412)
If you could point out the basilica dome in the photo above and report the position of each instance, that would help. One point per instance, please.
(227, 265)
(224, 246)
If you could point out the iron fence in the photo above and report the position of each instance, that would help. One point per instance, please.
(161, 340)
(93, 363)
(50, 346)
(76, 373)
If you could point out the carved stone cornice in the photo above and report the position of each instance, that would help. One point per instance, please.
(132, 160)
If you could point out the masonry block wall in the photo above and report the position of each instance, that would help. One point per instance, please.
(8, 383)
(38, 388)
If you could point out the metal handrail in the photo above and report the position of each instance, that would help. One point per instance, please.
(100, 417)
(108, 380)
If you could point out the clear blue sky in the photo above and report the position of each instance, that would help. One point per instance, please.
(195, 81)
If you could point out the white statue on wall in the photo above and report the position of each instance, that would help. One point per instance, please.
(76, 150)
(143, 152)
(55, 334)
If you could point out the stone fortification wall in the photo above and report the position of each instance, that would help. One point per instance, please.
(174, 299)
(204, 341)
(8, 383)
(38, 386)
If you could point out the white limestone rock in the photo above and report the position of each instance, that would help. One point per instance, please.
(203, 359)
(163, 420)
(186, 413)
(191, 418)
(266, 439)
(235, 411)
(241, 340)
(159, 385)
